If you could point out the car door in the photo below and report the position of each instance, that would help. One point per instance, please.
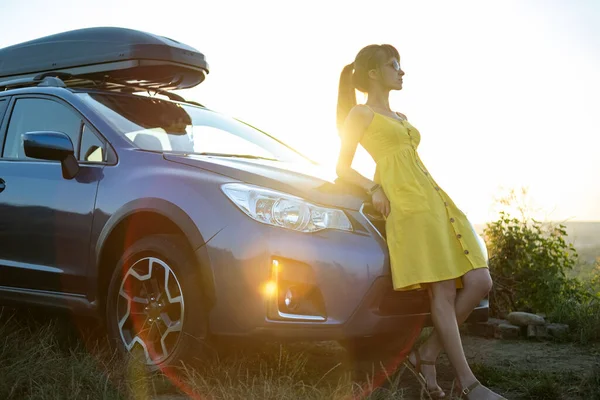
(45, 219)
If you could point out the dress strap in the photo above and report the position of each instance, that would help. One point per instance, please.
(402, 116)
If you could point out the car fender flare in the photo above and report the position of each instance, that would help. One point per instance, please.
(175, 214)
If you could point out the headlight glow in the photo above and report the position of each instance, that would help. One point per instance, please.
(284, 210)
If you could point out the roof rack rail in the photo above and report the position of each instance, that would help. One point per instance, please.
(125, 87)
(46, 79)
(57, 79)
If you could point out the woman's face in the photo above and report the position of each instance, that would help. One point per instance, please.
(391, 74)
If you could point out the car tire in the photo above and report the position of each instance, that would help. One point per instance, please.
(155, 308)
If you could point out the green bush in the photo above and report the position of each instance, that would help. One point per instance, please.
(530, 263)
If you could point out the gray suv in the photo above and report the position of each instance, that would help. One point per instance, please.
(173, 223)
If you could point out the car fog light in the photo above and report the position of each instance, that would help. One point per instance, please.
(270, 289)
(290, 300)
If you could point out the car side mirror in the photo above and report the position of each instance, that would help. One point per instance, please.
(53, 146)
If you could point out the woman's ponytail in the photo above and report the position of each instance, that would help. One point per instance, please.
(355, 76)
(346, 95)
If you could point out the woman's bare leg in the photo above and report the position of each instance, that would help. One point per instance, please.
(476, 285)
(443, 313)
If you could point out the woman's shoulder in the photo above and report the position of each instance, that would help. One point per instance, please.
(357, 122)
(361, 115)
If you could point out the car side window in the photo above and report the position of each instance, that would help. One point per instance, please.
(3, 104)
(92, 148)
(30, 115)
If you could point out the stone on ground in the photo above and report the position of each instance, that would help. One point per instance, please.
(508, 331)
(525, 319)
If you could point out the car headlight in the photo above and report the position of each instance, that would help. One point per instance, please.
(284, 210)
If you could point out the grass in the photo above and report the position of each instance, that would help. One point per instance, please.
(45, 361)
(44, 357)
(541, 385)
(583, 319)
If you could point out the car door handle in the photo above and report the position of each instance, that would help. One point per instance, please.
(2, 185)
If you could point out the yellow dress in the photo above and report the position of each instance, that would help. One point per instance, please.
(429, 238)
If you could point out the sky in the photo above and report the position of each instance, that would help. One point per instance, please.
(505, 94)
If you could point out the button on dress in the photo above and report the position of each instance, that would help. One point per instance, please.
(429, 238)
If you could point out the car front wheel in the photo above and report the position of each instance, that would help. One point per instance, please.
(155, 309)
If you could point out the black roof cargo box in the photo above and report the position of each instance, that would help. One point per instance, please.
(106, 54)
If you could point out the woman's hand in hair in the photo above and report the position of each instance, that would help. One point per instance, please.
(381, 202)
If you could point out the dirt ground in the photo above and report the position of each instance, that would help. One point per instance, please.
(505, 355)
(548, 356)
(525, 355)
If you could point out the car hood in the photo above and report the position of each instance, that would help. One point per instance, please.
(310, 182)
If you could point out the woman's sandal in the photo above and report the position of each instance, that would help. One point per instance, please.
(416, 370)
(464, 394)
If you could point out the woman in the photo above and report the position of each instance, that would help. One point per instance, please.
(431, 243)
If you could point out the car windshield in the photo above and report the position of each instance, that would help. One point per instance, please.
(157, 125)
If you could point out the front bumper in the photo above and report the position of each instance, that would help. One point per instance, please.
(340, 283)
(382, 311)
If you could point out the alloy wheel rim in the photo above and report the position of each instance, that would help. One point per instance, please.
(150, 310)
